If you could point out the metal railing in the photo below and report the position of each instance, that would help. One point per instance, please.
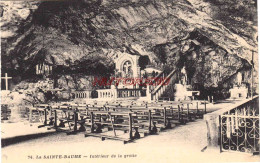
(239, 128)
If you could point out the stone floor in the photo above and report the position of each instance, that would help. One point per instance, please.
(184, 143)
(10, 130)
(181, 144)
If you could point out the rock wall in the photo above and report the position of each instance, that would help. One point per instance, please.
(81, 37)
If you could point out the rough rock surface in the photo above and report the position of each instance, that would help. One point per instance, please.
(81, 37)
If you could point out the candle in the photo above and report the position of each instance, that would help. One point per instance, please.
(228, 128)
(43, 68)
(232, 124)
(236, 120)
(37, 69)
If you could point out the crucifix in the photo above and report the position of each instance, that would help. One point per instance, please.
(127, 67)
(6, 80)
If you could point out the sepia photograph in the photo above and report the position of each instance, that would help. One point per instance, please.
(149, 81)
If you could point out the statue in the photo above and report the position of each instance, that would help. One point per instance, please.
(183, 76)
(239, 79)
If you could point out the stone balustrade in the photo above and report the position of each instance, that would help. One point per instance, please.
(82, 94)
(118, 93)
(107, 93)
(125, 93)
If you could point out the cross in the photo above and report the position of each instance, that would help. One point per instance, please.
(126, 66)
(6, 80)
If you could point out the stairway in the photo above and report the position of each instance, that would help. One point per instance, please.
(161, 83)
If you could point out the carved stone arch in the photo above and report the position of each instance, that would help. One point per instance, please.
(126, 59)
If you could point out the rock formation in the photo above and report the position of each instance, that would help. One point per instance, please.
(215, 38)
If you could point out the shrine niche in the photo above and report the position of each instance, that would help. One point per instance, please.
(127, 65)
(127, 69)
(43, 69)
(240, 85)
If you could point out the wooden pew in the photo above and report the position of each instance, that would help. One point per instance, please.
(48, 110)
(97, 125)
(102, 117)
(45, 108)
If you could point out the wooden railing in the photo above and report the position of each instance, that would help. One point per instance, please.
(157, 80)
(161, 87)
(235, 128)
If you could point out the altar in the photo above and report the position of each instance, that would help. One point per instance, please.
(238, 92)
(183, 89)
(239, 89)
